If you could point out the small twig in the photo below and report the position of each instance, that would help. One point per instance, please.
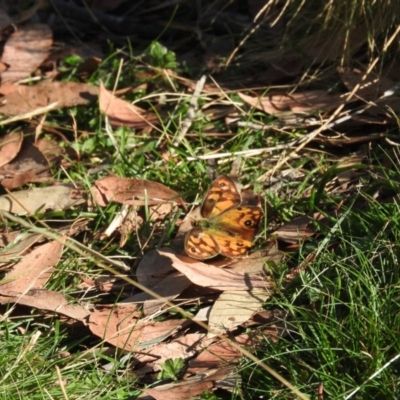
(30, 114)
(191, 113)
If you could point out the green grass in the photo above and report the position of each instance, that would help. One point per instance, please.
(343, 325)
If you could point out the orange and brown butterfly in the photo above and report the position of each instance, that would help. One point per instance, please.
(227, 227)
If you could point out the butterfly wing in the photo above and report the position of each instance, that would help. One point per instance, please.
(231, 246)
(222, 195)
(200, 245)
(227, 228)
(241, 221)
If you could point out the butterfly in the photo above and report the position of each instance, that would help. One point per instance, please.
(227, 227)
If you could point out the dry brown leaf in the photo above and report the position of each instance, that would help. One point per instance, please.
(29, 98)
(17, 244)
(213, 356)
(299, 229)
(121, 113)
(7, 88)
(152, 269)
(212, 277)
(233, 308)
(34, 269)
(28, 166)
(44, 300)
(182, 347)
(50, 148)
(169, 288)
(25, 50)
(193, 386)
(54, 198)
(134, 192)
(120, 326)
(282, 104)
(10, 145)
(179, 391)
(370, 88)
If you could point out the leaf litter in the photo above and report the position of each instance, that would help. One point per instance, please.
(237, 289)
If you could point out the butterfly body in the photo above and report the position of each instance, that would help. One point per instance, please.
(227, 227)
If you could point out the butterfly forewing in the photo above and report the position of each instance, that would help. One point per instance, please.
(221, 196)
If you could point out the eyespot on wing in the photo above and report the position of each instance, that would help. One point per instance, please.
(200, 245)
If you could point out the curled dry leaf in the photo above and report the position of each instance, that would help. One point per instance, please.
(212, 277)
(182, 347)
(10, 145)
(169, 288)
(15, 244)
(34, 269)
(192, 387)
(282, 104)
(122, 113)
(50, 149)
(214, 355)
(135, 192)
(54, 198)
(44, 300)
(120, 326)
(25, 50)
(156, 273)
(299, 229)
(371, 89)
(18, 242)
(28, 166)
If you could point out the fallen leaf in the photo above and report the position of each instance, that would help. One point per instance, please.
(282, 104)
(51, 149)
(54, 198)
(233, 308)
(34, 269)
(44, 300)
(192, 387)
(8, 88)
(182, 347)
(17, 245)
(214, 355)
(299, 229)
(152, 269)
(25, 50)
(18, 242)
(134, 192)
(169, 288)
(122, 113)
(10, 145)
(370, 88)
(28, 166)
(120, 326)
(212, 277)
(29, 98)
